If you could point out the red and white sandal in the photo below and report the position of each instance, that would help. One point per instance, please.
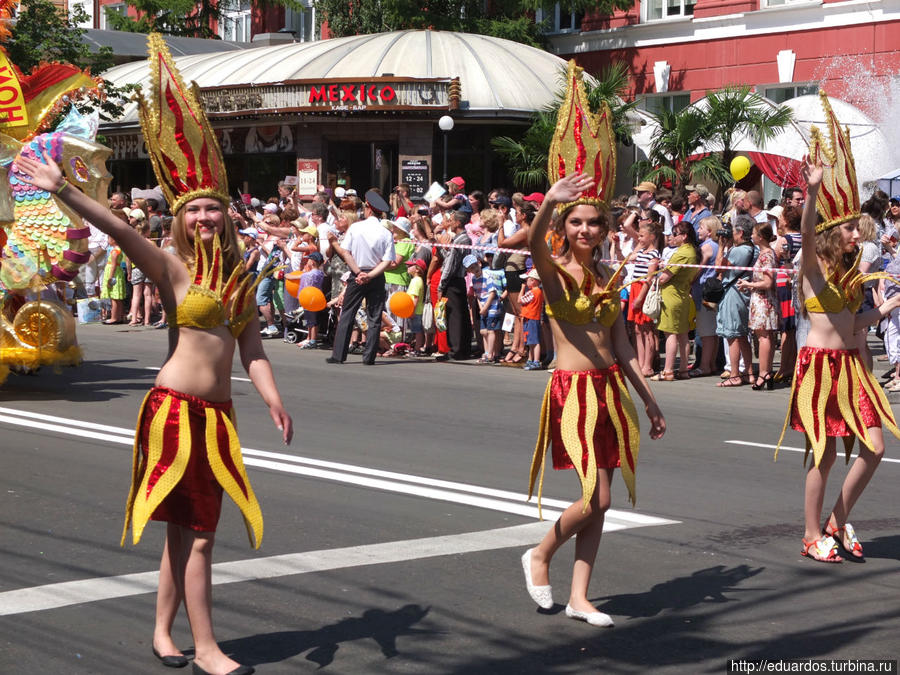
(823, 549)
(844, 535)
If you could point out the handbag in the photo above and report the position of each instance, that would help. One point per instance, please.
(440, 315)
(428, 317)
(713, 290)
(653, 301)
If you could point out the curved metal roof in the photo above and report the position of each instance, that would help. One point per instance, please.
(496, 75)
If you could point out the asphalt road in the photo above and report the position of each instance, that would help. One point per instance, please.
(395, 522)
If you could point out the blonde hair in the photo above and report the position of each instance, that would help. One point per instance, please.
(868, 230)
(712, 224)
(184, 248)
(490, 219)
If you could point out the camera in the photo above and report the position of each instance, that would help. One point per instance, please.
(726, 231)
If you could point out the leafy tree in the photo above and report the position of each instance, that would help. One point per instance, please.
(527, 156)
(186, 18)
(45, 33)
(510, 19)
(726, 115)
(676, 151)
(736, 111)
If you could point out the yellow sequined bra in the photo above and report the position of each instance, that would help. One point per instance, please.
(211, 302)
(586, 302)
(843, 293)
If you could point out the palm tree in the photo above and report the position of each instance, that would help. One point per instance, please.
(676, 151)
(733, 112)
(527, 156)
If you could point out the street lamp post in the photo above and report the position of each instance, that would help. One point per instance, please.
(446, 125)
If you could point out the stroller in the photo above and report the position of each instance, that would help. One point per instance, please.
(294, 329)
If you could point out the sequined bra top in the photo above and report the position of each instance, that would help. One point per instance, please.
(211, 301)
(588, 301)
(843, 293)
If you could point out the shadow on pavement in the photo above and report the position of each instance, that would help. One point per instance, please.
(384, 627)
(91, 381)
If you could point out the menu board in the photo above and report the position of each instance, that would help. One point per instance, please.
(414, 172)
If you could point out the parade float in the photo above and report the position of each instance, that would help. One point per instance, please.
(42, 242)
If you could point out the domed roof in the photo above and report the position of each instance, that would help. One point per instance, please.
(497, 76)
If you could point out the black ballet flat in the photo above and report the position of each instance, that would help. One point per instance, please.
(172, 661)
(240, 670)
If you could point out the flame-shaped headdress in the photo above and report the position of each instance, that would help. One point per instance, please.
(838, 198)
(584, 142)
(186, 156)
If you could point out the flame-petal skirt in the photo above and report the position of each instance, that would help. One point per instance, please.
(591, 422)
(834, 394)
(186, 451)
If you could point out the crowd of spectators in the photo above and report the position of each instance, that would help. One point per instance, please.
(723, 275)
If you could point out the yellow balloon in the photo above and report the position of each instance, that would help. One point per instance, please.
(740, 167)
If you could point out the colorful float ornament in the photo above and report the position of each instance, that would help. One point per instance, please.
(583, 142)
(838, 198)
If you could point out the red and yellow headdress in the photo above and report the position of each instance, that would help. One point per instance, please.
(838, 198)
(584, 142)
(183, 148)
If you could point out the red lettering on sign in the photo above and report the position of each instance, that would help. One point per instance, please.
(5, 75)
(13, 114)
(372, 95)
(316, 94)
(362, 93)
(349, 94)
(387, 93)
(10, 92)
(333, 93)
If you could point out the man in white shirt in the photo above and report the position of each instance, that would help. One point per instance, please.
(646, 194)
(367, 249)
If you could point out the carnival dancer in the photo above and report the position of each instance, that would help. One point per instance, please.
(186, 447)
(587, 415)
(834, 394)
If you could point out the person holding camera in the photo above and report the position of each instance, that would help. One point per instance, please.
(733, 317)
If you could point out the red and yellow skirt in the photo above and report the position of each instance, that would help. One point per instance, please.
(186, 451)
(834, 394)
(590, 420)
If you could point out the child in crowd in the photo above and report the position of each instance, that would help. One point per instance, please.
(141, 288)
(112, 283)
(417, 269)
(532, 301)
(488, 294)
(891, 324)
(312, 276)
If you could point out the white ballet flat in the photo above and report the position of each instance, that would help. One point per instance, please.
(593, 618)
(542, 595)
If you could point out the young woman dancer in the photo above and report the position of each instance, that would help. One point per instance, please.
(186, 447)
(834, 394)
(594, 356)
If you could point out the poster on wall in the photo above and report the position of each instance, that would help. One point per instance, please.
(414, 172)
(307, 177)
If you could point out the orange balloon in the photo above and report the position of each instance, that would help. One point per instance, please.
(312, 299)
(292, 283)
(402, 304)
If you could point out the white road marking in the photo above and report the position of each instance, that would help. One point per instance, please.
(236, 379)
(390, 481)
(53, 596)
(792, 449)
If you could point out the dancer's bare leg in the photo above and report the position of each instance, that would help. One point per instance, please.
(170, 593)
(858, 477)
(587, 528)
(814, 495)
(198, 547)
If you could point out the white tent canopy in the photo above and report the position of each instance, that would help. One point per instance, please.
(890, 182)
